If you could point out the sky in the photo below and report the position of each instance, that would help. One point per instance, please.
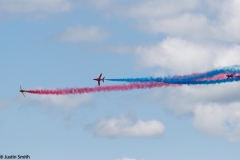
(66, 43)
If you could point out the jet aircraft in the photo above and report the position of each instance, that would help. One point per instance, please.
(21, 90)
(230, 76)
(99, 79)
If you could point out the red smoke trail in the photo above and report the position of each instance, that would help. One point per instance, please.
(123, 87)
(216, 77)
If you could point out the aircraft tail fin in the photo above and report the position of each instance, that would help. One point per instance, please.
(103, 79)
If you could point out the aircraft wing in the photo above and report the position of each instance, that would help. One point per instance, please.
(100, 76)
(98, 83)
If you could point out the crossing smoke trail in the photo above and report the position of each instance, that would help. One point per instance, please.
(122, 87)
(212, 77)
(196, 78)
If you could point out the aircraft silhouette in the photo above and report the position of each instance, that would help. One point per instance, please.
(230, 76)
(21, 90)
(99, 79)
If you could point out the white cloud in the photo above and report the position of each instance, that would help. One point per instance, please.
(175, 54)
(174, 18)
(185, 25)
(187, 18)
(82, 33)
(125, 158)
(229, 20)
(228, 56)
(184, 99)
(120, 49)
(103, 4)
(219, 120)
(193, 19)
(160, 8)
(36, 6)
(215, 108)
(126, 127)
(4, 104)
(179, 56)
(64, 101)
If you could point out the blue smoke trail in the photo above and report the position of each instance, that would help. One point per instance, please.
(189, 79)
(207, 82)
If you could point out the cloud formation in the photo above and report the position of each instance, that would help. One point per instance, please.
(126, 127)
(125, 158)
(192, 19)
(180, 56)
(66, 102)
(4, 104)
(36, 6)
(214, 107)
(82, 34)
(218, 120)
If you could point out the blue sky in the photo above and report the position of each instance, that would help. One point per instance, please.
(67, 43)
